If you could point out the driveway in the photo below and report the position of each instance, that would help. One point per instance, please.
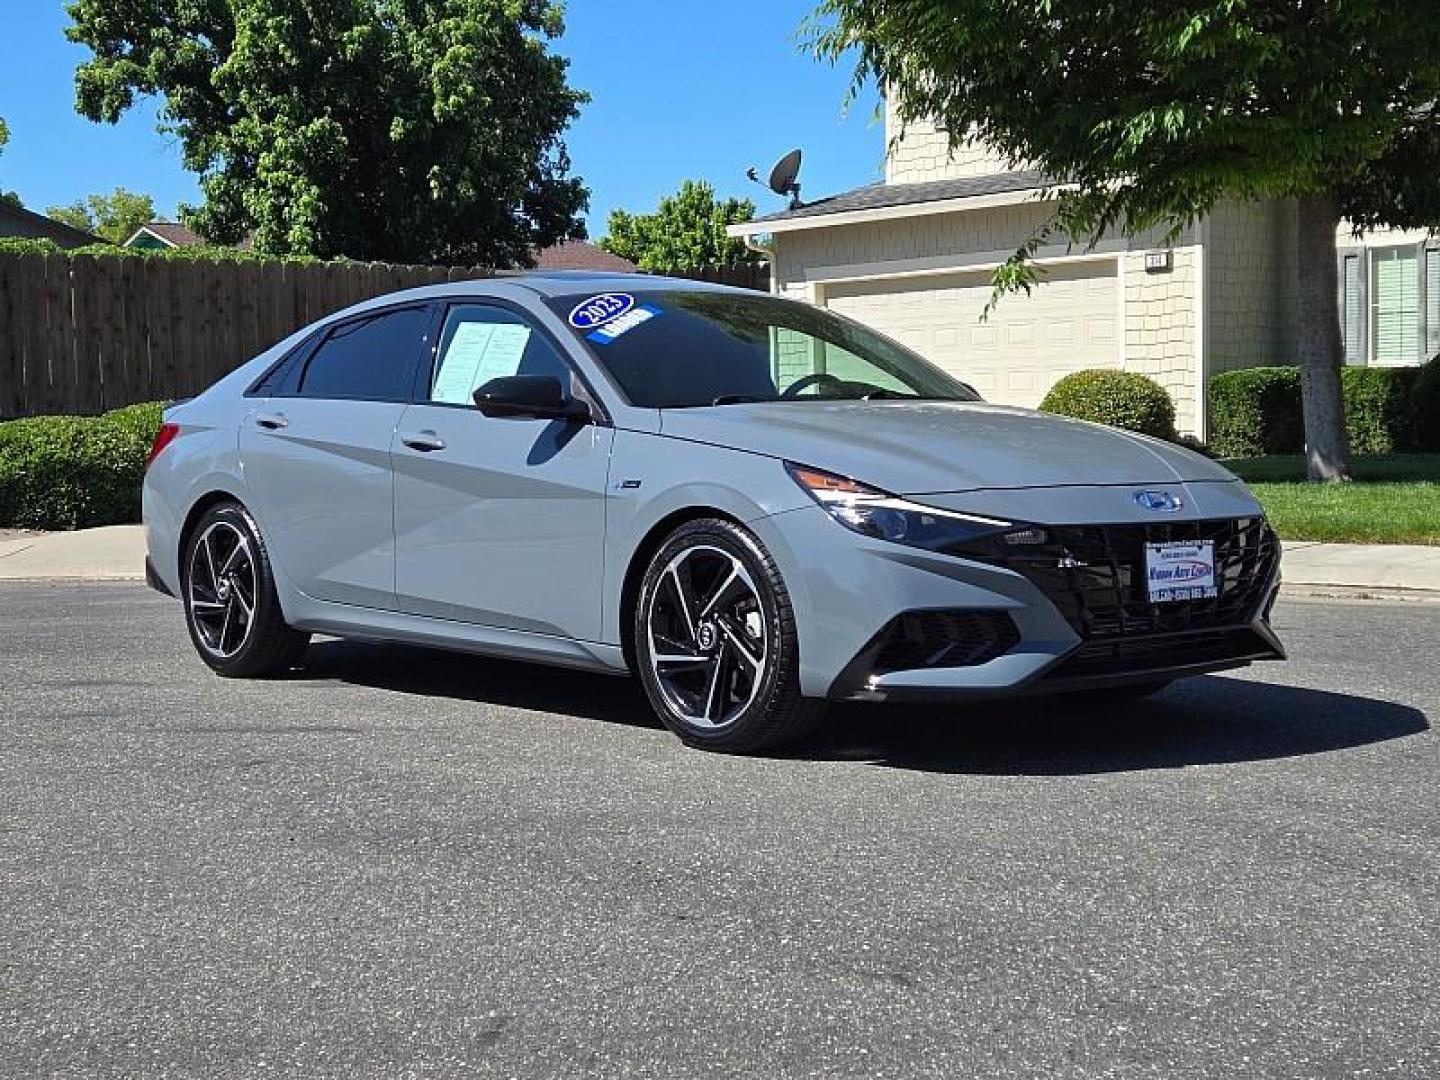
(412, 863)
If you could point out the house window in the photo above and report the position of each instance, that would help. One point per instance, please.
(1395, 305)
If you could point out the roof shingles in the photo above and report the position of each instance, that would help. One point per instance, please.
(885, 196)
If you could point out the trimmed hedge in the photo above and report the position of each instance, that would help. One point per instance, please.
(1425, 396)
(1123, 399)
(1379, 413)
(75, 472)
(1257, 411)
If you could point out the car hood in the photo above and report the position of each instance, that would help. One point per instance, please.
(914, 448)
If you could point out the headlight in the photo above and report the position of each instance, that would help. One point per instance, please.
(871, 512)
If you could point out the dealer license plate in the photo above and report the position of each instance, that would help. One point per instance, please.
(1180, 570)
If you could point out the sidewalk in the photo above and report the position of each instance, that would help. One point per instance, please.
(1399, 571)
(114, 553)
(117, 553)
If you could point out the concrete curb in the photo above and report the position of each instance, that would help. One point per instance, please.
(1308, 591)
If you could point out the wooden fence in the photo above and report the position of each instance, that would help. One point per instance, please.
(741, 275)
(81, 334)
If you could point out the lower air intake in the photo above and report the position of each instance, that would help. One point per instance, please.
(935, 639)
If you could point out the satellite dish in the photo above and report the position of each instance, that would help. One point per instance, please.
(783, 178)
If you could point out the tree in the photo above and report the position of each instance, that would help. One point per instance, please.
(115, 217)
(7, 197)
(1151, 111)
(687, 230)
(402, 130)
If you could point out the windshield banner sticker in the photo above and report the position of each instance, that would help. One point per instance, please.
(621, 324)
(599, 310)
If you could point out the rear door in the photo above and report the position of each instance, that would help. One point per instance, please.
(499, 521)
(316, 455)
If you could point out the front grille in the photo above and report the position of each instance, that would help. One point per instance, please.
(931, 639)
(1095, 574)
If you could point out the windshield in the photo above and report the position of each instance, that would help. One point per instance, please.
(675, 350)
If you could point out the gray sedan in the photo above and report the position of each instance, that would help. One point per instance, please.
(753, 505)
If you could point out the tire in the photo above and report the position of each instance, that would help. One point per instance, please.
(233, 613)
(712, 692)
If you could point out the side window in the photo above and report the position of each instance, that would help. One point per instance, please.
(369, 359)
(481, 342)
(279, 374)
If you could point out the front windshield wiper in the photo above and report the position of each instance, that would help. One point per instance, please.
(737, 399)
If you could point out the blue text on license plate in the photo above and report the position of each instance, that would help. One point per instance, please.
(1180, 570)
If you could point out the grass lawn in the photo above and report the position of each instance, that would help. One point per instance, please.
(1392, 500)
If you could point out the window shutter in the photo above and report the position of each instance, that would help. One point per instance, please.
(1353, 308)
(1432, 301)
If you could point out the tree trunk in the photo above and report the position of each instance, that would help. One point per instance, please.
(1327, 452)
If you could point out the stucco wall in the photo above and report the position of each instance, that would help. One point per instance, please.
(1159, 308)
(1250, 285)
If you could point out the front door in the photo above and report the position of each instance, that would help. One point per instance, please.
(499, 521)
(316, 458)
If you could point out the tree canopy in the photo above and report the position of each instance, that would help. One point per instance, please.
(115, 217)
(1147, 113)
(686, 231)
(6, 196)
(403, 130)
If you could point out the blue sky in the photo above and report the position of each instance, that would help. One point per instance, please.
(685, 88)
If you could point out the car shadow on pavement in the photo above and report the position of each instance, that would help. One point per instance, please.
(1209, 720)
(1202, 721)
(410, 669)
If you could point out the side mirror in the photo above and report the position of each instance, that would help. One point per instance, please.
(530, 396)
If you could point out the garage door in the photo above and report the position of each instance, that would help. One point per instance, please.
(1067, 323)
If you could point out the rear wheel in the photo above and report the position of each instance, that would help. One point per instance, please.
(716, 645)
(231, 608)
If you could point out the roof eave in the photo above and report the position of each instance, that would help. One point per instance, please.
(884, 213)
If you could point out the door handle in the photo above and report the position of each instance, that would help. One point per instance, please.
(271, 421)
(424, 441)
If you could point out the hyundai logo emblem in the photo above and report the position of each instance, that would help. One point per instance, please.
(1162, 502)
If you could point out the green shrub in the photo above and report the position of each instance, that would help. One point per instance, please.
(12, 245)
(1425, 396)
(1122, 399)
(1256, 411)
(1379, 409)
(75, 472)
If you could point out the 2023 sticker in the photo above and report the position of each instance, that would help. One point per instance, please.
(600, 309)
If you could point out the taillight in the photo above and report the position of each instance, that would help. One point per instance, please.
(163, 438)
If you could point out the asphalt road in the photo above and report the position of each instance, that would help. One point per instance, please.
(411, 863)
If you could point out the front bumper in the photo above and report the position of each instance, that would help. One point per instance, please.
(879, 621)
(155, 581)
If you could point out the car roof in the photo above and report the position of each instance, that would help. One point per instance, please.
(568, 282)
(543, 283)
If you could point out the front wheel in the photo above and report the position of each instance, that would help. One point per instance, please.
(231, 608)
(716, 645)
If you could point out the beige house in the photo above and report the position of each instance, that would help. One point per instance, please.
(912, 256)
